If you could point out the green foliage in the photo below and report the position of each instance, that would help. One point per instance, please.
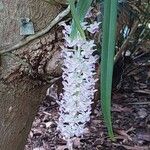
(78, 13)
(76, 18)
(82, 8)
(107, 60)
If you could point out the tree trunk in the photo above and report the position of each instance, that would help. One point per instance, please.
(25, 71)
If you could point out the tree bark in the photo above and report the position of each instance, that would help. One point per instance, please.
(25, 71)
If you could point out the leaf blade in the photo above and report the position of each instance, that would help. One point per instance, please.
(108, 48)
(82, 8)
(76, 18)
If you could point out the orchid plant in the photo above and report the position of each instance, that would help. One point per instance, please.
(79, 69)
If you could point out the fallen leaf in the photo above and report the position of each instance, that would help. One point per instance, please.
(124, 134)
(145, 136)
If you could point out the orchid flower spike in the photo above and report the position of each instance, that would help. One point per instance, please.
(78, 84)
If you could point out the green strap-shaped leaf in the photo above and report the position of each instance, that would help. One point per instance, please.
(107, 60)
(76, 18)
(81, 9)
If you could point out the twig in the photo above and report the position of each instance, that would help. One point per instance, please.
(40, 33)
(124, 45)
(133, 147)
(143, 91)
(139, 103)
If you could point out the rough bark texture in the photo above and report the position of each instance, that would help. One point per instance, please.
(24, 72)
